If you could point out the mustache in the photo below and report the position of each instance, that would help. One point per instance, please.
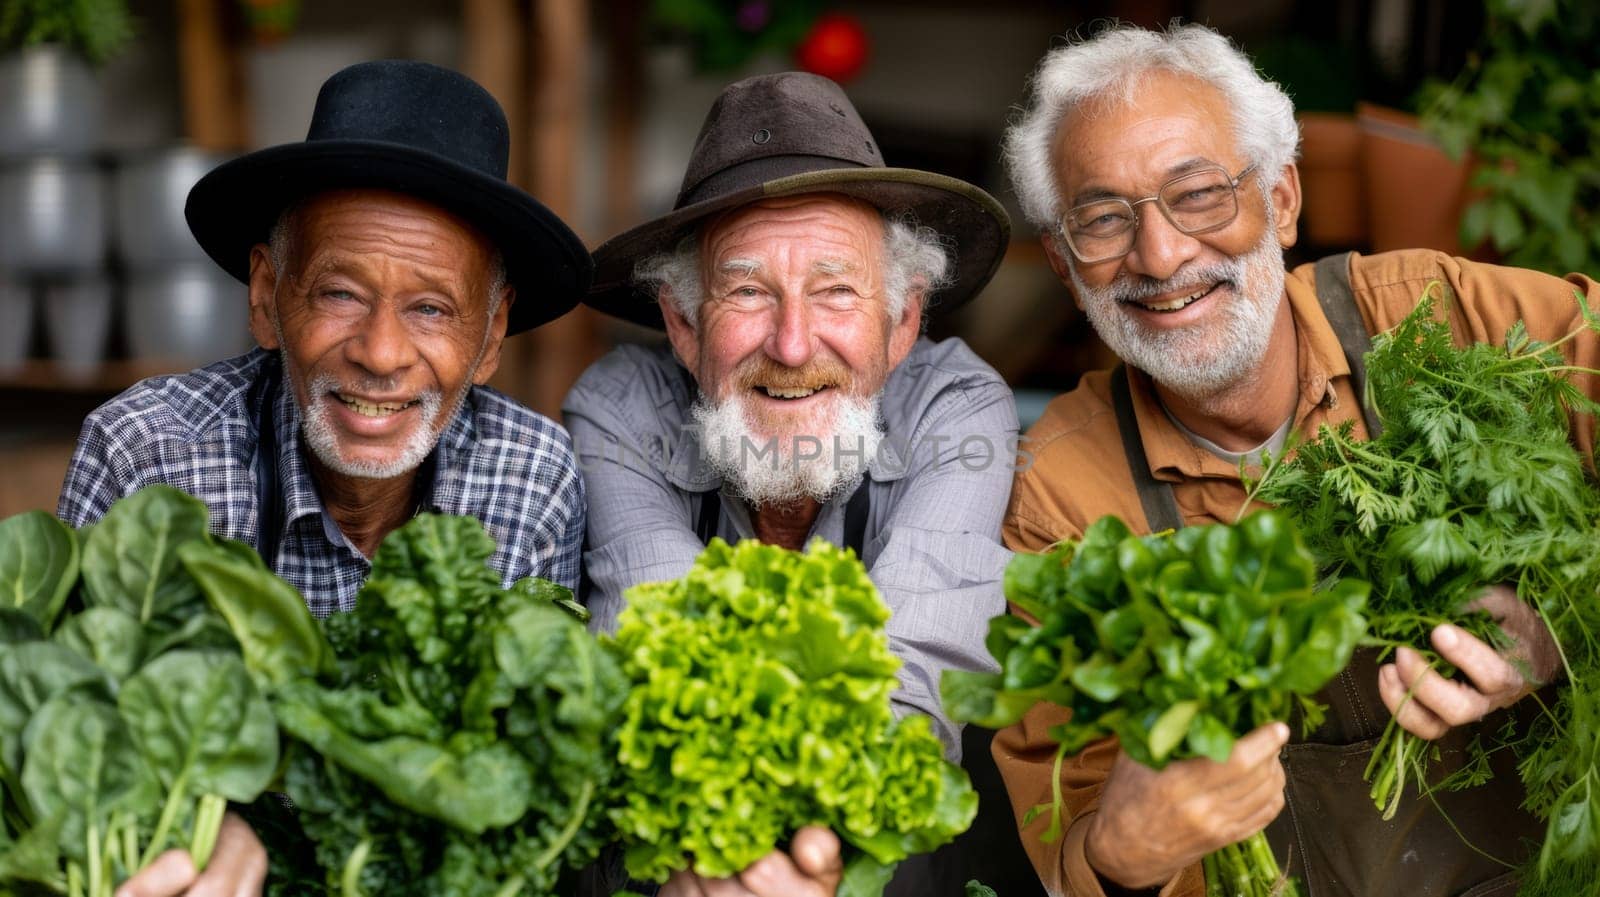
(325, 383)
(819, 373)
(1137, 287)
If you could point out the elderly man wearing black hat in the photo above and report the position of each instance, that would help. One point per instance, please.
(387, 258)
(798, 398)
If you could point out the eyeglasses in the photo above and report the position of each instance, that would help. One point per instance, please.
(1195, 203)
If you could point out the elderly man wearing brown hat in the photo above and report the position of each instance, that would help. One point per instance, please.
(798, 397)
(387, 258)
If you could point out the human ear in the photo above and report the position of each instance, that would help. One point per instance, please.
(1286, 205)
(683, 336)
(496, 336)
(263, 298)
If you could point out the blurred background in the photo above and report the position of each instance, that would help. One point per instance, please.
(110, 109)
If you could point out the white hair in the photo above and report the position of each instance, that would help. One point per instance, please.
(1111, 66)
(915, 259)
(286, 229)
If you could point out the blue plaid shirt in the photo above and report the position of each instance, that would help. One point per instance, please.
(496, 460)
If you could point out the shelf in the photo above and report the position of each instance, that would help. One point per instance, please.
(108, 377)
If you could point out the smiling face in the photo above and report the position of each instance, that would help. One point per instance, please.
(795, 317)
(1195, 311)
(382, 316)
(793, 343)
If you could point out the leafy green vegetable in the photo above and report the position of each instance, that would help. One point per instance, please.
(760, 704)
(1473, 481)
(450, 736)
(126, 717)
(38, 564)
(130, 558)
(1176, 643)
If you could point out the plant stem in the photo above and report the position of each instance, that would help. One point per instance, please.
(207, 822)
(350, 876)
(1247, 869)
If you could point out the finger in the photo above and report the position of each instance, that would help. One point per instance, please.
(238, 863)
(726, 887)
(1413, 717)
(1498, 601)
(682, 884)
(1260, 806)
(779, 875)
(167, 876)
(1259, 747)
(817, 852)
(1482, 664)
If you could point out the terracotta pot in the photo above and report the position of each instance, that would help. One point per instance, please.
(1334, 213)
(1415, 192)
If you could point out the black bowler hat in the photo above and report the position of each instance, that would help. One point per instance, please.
(413, 128)
(791, 133)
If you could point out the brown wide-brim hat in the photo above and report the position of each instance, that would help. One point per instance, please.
(792, 133)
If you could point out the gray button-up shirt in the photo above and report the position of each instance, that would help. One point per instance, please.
(938, 489)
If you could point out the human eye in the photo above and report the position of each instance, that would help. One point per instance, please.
(1102, 220)
(1198, 193)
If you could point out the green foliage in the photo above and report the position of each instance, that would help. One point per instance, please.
(1176, 643)
(1473, 481)
(126, 718)
(94, 28)
(450, 736)
(726, 34)
(1528, 106)
(760, 704)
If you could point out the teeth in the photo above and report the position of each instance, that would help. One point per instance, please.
(1176, 304)
(368, 409)
(797, 393)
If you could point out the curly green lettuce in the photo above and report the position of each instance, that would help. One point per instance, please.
(760, 704)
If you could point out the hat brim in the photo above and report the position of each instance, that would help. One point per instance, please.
(234, 207)
(959, 211)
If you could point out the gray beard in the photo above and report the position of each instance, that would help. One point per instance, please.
(323, 439)
(783, 470)
(1204, 360)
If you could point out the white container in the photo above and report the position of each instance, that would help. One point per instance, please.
(52, 216)
(151, 189)
(50, 103)
(191, 313)
(77, 317)
(16, 323)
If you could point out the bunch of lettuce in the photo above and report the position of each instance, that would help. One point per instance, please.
(760, 704)
(448, 736)
(1177, 643)
(127, 719)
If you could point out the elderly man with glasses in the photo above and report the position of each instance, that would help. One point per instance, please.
(1160, 171)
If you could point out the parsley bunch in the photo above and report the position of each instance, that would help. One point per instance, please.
(1176, 643)
(760, 704)
(1473, 481)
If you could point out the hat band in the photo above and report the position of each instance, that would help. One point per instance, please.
(755, 172)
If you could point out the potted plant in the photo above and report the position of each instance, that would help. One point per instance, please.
(49, 100)
(1525, 107)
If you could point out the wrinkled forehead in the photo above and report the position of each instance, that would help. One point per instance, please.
(1161, 121)
(829, 229)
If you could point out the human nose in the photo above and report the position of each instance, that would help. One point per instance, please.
(1159, 248)
(791, 343)
(383, 346)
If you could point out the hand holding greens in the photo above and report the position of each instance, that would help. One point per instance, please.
(760, 704)
(1176, 643)
(1473, 481)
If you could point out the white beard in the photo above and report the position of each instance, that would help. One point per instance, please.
(323, 438)
(781, 470)
(1206, 359)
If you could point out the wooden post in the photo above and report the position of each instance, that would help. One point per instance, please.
(492, 55)
(214, 99)
(560, 38)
